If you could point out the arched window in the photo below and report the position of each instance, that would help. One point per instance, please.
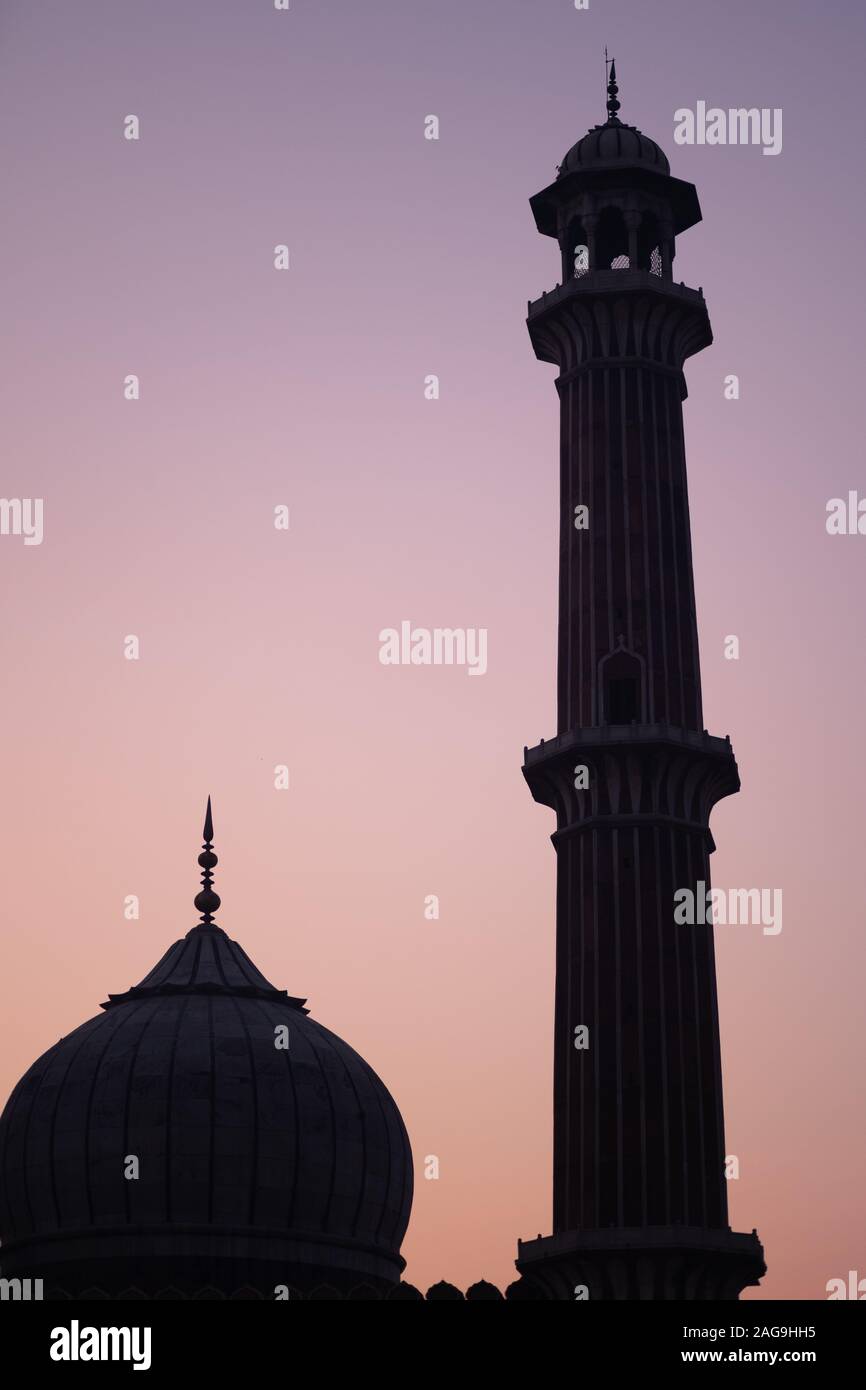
(575, 251)
(621, 689)
(612, 243)
(649, 251)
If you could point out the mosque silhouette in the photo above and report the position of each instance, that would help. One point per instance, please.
(204, 1137)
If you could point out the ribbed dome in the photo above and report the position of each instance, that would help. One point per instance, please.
(612, 145)
(256, 1164)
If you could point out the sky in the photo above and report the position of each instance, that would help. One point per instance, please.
(259, 648)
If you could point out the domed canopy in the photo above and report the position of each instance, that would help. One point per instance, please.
(607, 159)
(203, 1129)
(614, 145)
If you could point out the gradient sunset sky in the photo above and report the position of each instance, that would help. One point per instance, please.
(260, 647)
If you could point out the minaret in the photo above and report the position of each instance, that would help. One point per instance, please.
(639, 1189)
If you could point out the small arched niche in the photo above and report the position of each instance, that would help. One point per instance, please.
(621, 682)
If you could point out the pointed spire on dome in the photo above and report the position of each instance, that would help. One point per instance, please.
(612, 90)
(206, 961)
(207, 901)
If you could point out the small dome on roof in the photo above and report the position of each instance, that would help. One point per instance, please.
(614, 145)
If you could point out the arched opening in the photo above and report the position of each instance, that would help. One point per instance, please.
(622, 689)
(612, 241)
(649, 256)
(576, 251)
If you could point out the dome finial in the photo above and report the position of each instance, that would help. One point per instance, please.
(207, 901)
(612, 88)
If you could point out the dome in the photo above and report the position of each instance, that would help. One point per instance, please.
(614, 145)
(257, 1163)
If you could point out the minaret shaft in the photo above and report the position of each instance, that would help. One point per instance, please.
(632, 775)
(638, 1135)
(629, 573)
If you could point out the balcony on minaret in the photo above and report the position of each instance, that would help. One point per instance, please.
(653, 773)
(590, 282)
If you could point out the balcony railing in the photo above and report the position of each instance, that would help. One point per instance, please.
(590, 281)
